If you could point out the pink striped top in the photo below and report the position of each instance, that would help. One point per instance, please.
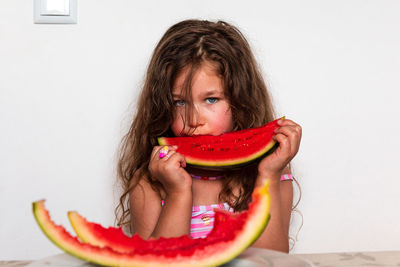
(203, 219)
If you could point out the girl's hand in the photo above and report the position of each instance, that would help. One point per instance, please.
(169, 170)
(288, 135)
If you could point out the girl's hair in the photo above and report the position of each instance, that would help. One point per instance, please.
(187, 45)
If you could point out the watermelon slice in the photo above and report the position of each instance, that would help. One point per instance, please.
(97, 235)
(230, 150)
(231, 235)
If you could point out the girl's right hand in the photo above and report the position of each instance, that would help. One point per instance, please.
(169, 170)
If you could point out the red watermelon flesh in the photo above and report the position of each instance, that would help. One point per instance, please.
(229, 150)
(97, 235)
(232, 233)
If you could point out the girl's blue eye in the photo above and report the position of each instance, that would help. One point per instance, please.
(211, 100)
(179, 103)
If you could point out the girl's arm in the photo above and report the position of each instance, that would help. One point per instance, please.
(149, 218)
(276, 235)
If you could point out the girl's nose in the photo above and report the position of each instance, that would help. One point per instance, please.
(196, 119)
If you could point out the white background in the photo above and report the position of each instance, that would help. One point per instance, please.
(67, 93)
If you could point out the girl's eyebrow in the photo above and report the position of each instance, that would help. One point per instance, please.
(176, 95)
(204, 94)
(211, 92)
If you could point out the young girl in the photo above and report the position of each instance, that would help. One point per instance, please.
(202, 79)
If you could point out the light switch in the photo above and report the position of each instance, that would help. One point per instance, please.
(54, 7)
(55, 11)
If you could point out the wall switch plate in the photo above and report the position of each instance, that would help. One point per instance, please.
(55, 11)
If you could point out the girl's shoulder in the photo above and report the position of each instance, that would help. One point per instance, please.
(143, 188)
(144, 206)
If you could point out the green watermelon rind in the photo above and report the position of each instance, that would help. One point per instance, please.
(238, 162)
(207, 256)
(52, 234)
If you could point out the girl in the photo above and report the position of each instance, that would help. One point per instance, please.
(202, 79)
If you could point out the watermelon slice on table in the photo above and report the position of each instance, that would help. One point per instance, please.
(227, 151)
(97, 235)
(231, 235)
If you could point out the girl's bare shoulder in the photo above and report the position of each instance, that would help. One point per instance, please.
(145, 208)
(144, 191)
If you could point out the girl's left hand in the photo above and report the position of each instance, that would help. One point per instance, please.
(288, 135)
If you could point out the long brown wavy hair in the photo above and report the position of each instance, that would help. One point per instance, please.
(188, 44)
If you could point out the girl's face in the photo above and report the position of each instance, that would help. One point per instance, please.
(211, 113)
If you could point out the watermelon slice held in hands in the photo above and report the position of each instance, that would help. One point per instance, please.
(231, 235)
(227, 151)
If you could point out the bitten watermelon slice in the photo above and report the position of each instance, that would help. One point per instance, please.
(97, 235)
(231, 235)
(229, 150)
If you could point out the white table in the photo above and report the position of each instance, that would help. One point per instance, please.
(350, 259)
(257, 257)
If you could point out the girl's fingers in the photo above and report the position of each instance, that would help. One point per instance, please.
(284, 143)
(285, 122)
(167, 151)
(168, 155)
(290, 131)
(293, 135)
(155, 152)
(175, 156)
(157, 149)
(166, 164)
(290, 123)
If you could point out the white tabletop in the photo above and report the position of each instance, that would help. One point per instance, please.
(256, 257)
(350, 259)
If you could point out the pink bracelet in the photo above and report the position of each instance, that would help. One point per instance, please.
(286, 177)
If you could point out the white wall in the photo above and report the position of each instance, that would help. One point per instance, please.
(67, 92)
